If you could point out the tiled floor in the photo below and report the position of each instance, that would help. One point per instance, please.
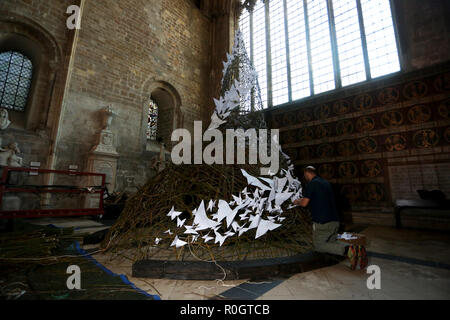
(407, 279)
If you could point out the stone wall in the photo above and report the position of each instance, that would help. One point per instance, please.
(38, 30)
(124, 51)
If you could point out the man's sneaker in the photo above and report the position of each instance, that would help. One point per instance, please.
(353, 257)
(362, 257)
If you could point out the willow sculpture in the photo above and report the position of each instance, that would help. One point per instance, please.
(219, 211)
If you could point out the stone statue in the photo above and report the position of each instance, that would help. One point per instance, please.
(108, 113)
(8, 156)
(4, 119)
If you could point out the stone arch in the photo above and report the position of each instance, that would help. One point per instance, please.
(169, 103)
(21, 34)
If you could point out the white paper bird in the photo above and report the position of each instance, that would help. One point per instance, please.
(169, 232)
(211, 205)
(157, 240)
(280, 198)
(216, 122)
(251, 180)
(180, 222)
(173, 214)
(264, 226)
(224, 210)
(190, 230)
(201, 219)
(178, 243)
(207, 238)
(220, 238)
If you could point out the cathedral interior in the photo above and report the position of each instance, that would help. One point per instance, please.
(92, 92)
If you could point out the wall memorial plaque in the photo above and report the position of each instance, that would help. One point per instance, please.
(322, 112)
(392, 118)
(442, 82)
(344, 127)
(371, 168)
(444, 109)
(363, 102)
(305, 134)
(325, 150)
(367, 145)
(419, 113)
(388, 95)
(373, 192)
(304, 116)
(395, 142)
(346, 148)
(341, 107)
(415, 89)
(426, 138)
(348, 170)
(365, 124)
(322, 131)
(351, 192)
(326, 171)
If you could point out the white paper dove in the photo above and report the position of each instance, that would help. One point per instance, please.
(251, 180)
(201, 219)
(207, 238)
(157, 240)
(220, 238)
(224, 210)
(173, 214)
(180, 222)
(242, 231)
(280, 198)
(190, 230)
(254, 219)
(178, 243)
(211, 205)
(169, 232)
(264, 226)
(216, 122)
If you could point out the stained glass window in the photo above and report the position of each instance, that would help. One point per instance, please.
(152, 121)
(305, 47)
(15, 80)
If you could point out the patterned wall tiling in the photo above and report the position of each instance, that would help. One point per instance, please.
(350, 139)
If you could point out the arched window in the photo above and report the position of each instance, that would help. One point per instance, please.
(152, 122)
(15, 80)
(305, 47)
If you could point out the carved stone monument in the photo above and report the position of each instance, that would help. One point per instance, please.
(103, 157)
(9, 158)
(4, 119)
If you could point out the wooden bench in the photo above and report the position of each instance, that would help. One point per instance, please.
(418, 204)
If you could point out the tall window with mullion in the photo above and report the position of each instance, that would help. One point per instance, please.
(305, 47)
(15, 80)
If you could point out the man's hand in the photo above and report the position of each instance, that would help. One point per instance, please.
(302, 202)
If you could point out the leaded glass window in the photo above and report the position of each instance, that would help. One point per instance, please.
(305, 47)
(152, 121)
(16, 71)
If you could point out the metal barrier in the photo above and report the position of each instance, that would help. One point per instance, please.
(50, 189)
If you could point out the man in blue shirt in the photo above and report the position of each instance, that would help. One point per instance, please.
(319, 195)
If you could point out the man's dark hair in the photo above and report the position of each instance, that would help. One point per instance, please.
(310, 169)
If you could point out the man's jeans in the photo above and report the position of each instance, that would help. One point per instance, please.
(324, 238)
